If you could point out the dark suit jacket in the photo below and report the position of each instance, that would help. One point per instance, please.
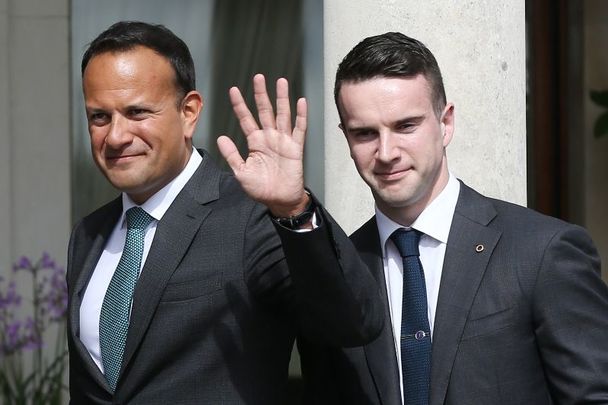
(522, 321)
(216, 307)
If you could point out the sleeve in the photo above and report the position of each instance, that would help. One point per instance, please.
(319, 277)
(571, 319)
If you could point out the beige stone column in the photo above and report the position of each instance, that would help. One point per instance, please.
(480, 48)
(6, 243)
(34, 135)
(34, 129)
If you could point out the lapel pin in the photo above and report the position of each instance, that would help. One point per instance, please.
(479, 248)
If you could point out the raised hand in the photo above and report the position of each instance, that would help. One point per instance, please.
(273, 172)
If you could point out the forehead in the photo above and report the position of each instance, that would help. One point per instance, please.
(139, 65)
(385, 96)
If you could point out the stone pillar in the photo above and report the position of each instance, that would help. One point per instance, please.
(34, 137)
(6, 241)
(34, 130)
(480, 47)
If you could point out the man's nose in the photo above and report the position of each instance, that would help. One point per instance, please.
(387, 148)
(119, 133)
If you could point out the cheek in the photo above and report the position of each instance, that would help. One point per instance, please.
(155, 133)
(97, 140)
(362, 153)
(428, 148)
(358, 159)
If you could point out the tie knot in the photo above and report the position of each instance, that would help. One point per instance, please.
(137, 218)
(406, 241)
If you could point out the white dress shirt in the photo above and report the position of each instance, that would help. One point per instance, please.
(434, 223)
(156, 206)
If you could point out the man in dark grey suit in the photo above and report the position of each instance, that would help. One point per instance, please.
(512, 300)
(185, 289)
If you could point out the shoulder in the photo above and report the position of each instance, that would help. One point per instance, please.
(526, 233)
(103, 215)
(507, 216)
(214, 184)
(531, 225)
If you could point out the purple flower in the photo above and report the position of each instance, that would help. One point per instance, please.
(32, 336)
(11, 298)
(12, 338)
(22, 264)
(54, 296)
(46, 262)
(50, 304)
(12, 331)
(19, 333)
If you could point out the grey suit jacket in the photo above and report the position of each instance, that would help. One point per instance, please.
(522, 318)
(216, 307)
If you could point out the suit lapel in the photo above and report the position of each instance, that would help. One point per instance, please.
(463, 268)
(380, 353)
(92, 244)
(172, 239)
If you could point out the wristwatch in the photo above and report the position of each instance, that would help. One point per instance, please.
(296, 221)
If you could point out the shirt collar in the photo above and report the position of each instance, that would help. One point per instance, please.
(434, 221)
(159, 203)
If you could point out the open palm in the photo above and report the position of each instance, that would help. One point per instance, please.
(272, 172)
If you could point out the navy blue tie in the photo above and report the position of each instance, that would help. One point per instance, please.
(415, 329)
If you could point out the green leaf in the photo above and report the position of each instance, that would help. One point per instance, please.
(599, 97)
(601, 125)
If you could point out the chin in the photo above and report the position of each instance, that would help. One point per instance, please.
(122, 184)
(399, 197)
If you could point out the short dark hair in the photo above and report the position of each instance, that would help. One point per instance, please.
(126, 35)
(391, 55)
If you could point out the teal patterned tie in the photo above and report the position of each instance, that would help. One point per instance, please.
(116, 307)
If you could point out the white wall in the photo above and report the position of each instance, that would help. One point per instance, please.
(480, 47)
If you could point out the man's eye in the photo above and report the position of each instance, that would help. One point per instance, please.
(364, 134)
(98, 118)
(137, 112)
(406, 127)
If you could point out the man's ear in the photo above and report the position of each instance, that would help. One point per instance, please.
(447, 124)
(190, 109)
(350, 150)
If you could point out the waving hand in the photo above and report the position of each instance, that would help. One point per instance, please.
(272, 172)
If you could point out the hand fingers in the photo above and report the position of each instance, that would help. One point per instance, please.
(283, 107)
(230, 153)
(246, 119)
(262, 102)
(299, 131)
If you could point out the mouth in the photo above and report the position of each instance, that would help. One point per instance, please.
(122, 158)
(392, 175)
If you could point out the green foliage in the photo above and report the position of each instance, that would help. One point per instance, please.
(601, 124)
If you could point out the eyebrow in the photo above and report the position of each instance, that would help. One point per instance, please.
(359, 129)
(414, 120)
(94, 110)
(136, 106)
(410, 120)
